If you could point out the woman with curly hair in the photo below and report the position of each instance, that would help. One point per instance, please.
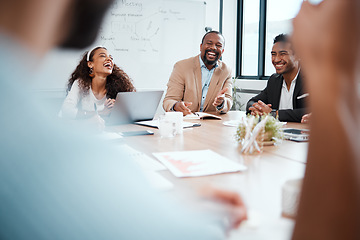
(94, 84)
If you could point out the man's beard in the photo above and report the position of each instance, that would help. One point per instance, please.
(207, 62)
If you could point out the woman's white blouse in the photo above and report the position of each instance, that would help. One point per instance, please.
(74, 102)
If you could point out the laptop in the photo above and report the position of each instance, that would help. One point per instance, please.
(131, 107)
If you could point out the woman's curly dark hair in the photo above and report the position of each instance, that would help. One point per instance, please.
(117, 81)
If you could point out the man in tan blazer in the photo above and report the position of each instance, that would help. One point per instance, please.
(201, 83)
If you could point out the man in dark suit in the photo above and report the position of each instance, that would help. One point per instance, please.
(284, 95)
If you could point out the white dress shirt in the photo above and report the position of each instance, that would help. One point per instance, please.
(286, 96)
(206, 76)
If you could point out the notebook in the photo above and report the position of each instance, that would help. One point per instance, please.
(130, 107)
(201, 115)
(155, 124)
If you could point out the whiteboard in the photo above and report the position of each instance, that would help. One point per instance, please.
(145, 37)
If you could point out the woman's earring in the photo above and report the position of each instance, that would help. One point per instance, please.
(91, 74)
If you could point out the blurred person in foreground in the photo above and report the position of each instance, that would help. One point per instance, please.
(327, 38)
(56, 183)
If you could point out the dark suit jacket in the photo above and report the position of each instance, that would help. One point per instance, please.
(271, 94)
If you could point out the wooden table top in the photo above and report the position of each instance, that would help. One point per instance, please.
(260, 185)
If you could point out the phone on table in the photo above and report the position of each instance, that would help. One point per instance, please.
(297, 135)
(296, 131)
(136, 133)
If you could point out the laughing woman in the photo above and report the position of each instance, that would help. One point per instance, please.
(93, 85)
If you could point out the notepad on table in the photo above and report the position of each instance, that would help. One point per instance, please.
(197, 163)
(201, 115)
(155, 124)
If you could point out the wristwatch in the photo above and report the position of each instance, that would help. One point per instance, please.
(274, 113)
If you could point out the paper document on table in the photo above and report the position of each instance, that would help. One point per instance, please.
(197, 163)
(144, 161)
(155, 124)
(201, 115)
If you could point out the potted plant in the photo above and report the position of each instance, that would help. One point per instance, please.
(273, 131)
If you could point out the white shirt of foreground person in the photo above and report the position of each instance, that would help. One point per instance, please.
(57, 184)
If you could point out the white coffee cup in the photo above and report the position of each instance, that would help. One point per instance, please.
(178, 117)
(290, 197)
(167, 126)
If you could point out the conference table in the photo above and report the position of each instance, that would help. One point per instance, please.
(260, 185)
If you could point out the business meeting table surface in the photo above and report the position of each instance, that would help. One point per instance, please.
(260, 185)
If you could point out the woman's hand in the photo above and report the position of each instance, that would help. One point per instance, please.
(108, 105)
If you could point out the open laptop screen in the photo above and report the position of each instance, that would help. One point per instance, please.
(130, 107)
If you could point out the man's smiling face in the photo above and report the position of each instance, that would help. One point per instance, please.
(212, 48)
(283, 58)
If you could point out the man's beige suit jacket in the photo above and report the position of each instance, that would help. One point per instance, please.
(185, 85)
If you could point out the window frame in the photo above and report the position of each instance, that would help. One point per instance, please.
(261, 44)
